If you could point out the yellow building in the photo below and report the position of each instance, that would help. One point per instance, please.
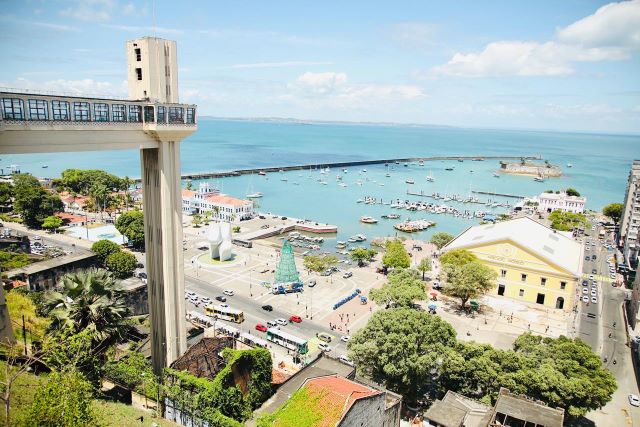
(534, 263)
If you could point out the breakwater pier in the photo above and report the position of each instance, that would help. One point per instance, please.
(209, 175)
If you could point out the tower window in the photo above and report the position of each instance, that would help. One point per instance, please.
(138, 55)
(139, 73)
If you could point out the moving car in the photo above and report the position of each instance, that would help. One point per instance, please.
(345, 338)
(634, 400)
(347, 275)
(344, 359)
(205, 300)
(221, 298)
(267, 307)
(260, 327)
(281, 321)
(190, 295)
(323, 336)
(228, 292)
(324, 347)
(296, 319)
(311, 283)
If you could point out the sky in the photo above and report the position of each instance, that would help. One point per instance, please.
(571, 65)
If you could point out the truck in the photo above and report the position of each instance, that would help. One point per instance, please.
(286, 288)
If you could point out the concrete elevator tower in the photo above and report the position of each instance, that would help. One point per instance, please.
(152, 121)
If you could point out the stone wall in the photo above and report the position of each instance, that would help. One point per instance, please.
(531, 169)
(368, 411)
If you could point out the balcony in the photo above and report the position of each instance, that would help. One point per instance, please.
(95, 123)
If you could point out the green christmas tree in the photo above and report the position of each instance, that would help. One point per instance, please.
(286, 271)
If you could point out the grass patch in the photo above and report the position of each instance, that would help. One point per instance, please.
(305, 408)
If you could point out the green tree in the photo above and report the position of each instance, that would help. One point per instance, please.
(400, 347)
(64, 400)
(401, 290)
(441, 239)
(457, 257)
(6, 193)
(319, 263)
(104, 248)
(207, 217)
(424, 266)
(21, 305)
(131, 225)
(614, 211)
(572, 192)
(121, 264)
(9, 260)
(52, 223)
(196, 220)
(468, 281)
(566, 221)
(89, 300)
(395, 255)
(362, 255)
(68, 351)
(189, 185)
(82, 181)
(33, 202)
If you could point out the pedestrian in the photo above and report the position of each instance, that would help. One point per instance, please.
(529, 326)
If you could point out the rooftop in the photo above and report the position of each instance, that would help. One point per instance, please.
(455, 410)
(546, 243)
(531, 411)
(47, 264)
(226, 200)
(563, 196)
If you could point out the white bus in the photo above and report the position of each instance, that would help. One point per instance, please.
(199, 319)
(287, 340)
(253, 340)
(224, 313)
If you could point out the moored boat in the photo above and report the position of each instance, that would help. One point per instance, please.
(368, 220)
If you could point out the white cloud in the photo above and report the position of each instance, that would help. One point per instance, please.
(278, 64)
(614, 24)
(90, 10)
(333, 90)
(610, 34)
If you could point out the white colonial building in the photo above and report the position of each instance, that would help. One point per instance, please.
(221, 206)
(549, 202)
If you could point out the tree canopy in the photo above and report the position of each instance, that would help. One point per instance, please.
(441, 239)
(82, 181)
(424, 266)
(572, 192)
(9, 260)
(362, 255)
(21, 305)
(457, 257)
(104, 248)
(566, 221)
(399, 348)
(121, 264)
(401, 290)
(6, 193)
(52, 223)
(131, 225)
(32, 201)
(614, 211)
(395, 255)
(468, 281)
(319, 263)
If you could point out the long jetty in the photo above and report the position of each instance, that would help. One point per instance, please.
(208, 175)
(514, 196)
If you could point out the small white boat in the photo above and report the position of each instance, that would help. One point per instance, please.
(430, 177)
(368, 220)
(255, 195)
(45, 166)
(539, 179)
(410, 181)
(364, 170)
(342, 184)
(569, 165)
(496, 175)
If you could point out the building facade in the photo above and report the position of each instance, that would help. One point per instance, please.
(152, 72)
(549, 202)
(533, 263)
(222, 207)
(630, 220)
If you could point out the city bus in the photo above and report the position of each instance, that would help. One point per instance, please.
(199, 319)
(253, 340)
(287, 340)
(224, 313)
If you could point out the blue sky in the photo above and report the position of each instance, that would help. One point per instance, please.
(566, 65)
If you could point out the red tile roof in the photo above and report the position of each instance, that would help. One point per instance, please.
(226, 200)
(70, 218)
(188, 194)
(338, 392)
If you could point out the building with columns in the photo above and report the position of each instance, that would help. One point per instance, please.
(549, 202)
(222, 207)
(151, 121)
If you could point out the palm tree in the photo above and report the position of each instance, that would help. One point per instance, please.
(90, 300)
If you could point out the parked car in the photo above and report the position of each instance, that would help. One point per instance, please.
(221, 298)
(272, 324)
(324, 347)
(282, 322)
(634, 400)
(142, 275)
(593, 257)
(585, 299)
(347, 275)
(311, 283)
(205, 300)
(190, 295)
(139, 265)
(594, 271)
(326, 273)
(344, 359)
(228, 292)
(345, 338)
(296, 319)
(260, 327)
(267, 307)
(594, 300)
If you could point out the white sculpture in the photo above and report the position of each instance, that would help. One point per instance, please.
(219, 236)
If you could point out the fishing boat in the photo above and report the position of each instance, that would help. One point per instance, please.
(284, 179)
(342, 184)
(368, 220)
(255, 195)
(262, 173)
(410, 181)
(460, 160)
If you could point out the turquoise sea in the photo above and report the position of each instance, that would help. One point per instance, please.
(600, 167)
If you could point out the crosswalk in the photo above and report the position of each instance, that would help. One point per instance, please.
(598, 277)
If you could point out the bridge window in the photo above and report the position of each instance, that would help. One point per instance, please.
(81, 112)
(191, 115)
(60, 110)
(101, 112)
(176, 115)
(135, 114)
(162, 114)
(148, 114)
(38, 109)
(12, 108)
(119, 113)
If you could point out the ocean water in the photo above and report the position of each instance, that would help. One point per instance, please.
(600, 167)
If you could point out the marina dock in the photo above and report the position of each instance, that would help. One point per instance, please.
(209, 175)
(489, 193)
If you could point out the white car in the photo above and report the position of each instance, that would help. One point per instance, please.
(344, 359)
(282, 321)
(585, 299)
(613, 276)
(587, 248)
(634, 400)
(205, 300)
(594, 293)
(191, 295)
(345, 338)
(594, 300)
(585, 290)
(591, 276)
(228, 292)
(324, 347)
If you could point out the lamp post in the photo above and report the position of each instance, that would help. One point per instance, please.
(250, 287)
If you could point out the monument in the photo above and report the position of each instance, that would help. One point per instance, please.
(219, 236)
